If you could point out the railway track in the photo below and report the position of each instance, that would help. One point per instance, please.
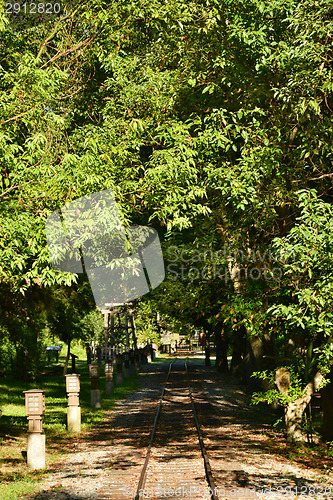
(176, 463)
(113, 460)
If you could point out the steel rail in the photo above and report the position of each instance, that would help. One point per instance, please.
(208, 470)
(143, 474)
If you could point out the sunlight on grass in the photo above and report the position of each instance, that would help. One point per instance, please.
(18, 488)
(16, 479)
(13, 410)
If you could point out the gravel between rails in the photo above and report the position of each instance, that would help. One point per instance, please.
(107, 461)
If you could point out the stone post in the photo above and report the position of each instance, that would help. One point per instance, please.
(119, 364)
(143, 355)
(109, 386)
(35, 409)
(94, 372)
(148, 350)
(132, 362)
(73, 409)
(137, 358)
(127, 372)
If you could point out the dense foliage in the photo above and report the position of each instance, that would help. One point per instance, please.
(211, 121)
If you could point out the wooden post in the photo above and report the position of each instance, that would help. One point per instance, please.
(112, 341)
(106, 330)
(135, 345)
(127, 332)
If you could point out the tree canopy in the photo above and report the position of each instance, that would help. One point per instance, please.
(210, 121)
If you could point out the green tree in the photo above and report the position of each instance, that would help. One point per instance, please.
(205, 119)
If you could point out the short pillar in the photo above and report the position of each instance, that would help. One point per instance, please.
(142, 356)
(132, 362)
(74, 357)
(95, 393)
(148, 353)
(156, 351)
(73, 409)
(36, 451)
(119, 374)
(109, 386)
(137, 358)
(88, 351)
(127, 372)
(99, 354)
(35, 409)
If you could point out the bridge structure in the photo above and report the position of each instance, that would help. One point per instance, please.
(120, 341)
(119, 329)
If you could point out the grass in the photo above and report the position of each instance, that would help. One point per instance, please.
(19, 486)
(16, 479)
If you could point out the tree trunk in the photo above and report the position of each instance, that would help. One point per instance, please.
(327, 406)
(237, 351)
(288, 352)
(221, 350)
(261, 355)
(252, 361)
(293, 416)
(294, 410)
(68, 354)
(22, 363)
(207, 348)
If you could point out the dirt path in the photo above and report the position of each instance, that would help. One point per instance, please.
(107, 461)
(245, 451)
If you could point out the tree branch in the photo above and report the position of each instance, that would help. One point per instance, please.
(49, 38)
(320, 177)
(69, 51)
(17, 116)
(315, 178)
